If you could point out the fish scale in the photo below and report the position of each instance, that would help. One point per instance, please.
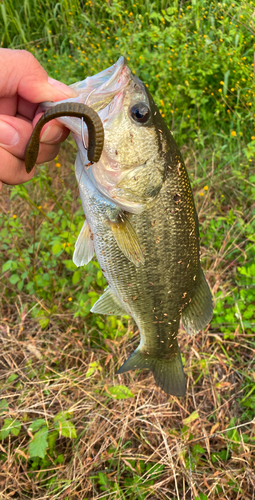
(147, 309)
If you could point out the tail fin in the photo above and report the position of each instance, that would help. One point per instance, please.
(168, 373)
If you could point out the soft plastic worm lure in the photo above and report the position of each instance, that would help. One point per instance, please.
(79, 110)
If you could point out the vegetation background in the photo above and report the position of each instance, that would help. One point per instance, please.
(70, 428)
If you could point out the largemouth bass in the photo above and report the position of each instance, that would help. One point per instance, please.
(141, 222)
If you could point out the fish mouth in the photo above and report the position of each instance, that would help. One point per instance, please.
(103, 92)
(97, 91)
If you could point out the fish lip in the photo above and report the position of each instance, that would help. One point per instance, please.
(107, 84)
(116, 70)
(102, 87)
(119, 76)
(117, 83)
(100, 79)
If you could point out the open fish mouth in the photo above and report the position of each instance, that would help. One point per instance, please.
(103, 80)
(106, 93)
(98, 91)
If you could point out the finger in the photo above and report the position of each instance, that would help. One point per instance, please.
(52, 132)
(15, 104)
(8, 105)
(12, 166)
(15, 133)
(22, 74)
(13, 169)
(26, 108)
(47, 152)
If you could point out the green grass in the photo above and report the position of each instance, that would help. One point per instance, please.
(197, 57)
(70, 428)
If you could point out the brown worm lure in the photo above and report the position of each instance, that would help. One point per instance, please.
(79, 110)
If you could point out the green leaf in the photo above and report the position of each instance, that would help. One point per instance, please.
(120, 392)
(57, 249)
(249, 403)
(36, 424)
(11, 378)
(69, 265)
(197, 449)
(14, 279)
(10, 426)
(15, 430)
(201, 496)
(7, 265)
(65, 414)
(60, 459)
(52, 438)
(193, 416)
(65, 427)
(233, 432)
(76, 277)
(155, 471)
(20, 285)
(39, 444)
(225, 86)
(3, 406)
(43, 321)
(103, 479)
(6, 429)
(95, 365)
(220, 455)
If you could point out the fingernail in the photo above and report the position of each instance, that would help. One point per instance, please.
(64, 89)
(48, 138)
(8, 135)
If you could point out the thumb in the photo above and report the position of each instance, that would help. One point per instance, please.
(22, 74)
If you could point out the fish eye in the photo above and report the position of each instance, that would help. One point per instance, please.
(140, 112)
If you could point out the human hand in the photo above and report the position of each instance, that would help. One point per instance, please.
(23, 85)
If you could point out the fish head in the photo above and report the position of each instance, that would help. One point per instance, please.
(128, 124)
(130, 170)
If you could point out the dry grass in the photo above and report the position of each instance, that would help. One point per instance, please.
(151, 423)
(116, 437)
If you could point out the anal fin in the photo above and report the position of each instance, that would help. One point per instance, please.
(108, 304)
(84, 246)
(198, 313)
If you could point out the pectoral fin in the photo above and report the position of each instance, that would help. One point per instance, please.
(108, 304)
(198, 313)
(84, 246)
(127, 239)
